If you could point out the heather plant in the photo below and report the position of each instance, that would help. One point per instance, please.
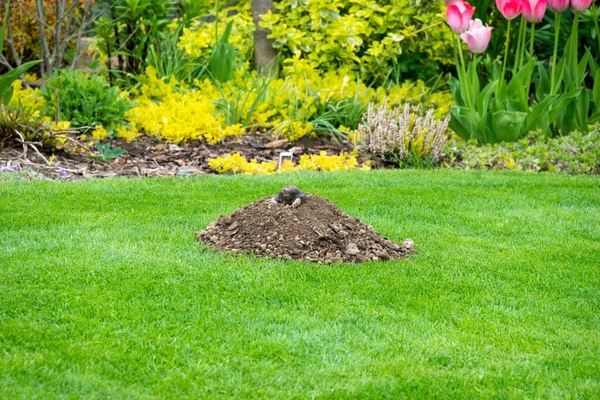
(84, 100)
(405, 136)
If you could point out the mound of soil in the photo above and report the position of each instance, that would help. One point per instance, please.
(317, 230)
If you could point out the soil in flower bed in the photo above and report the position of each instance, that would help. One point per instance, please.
(317, 230)
(147, 156)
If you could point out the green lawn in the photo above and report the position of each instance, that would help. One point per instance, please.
(105, 293)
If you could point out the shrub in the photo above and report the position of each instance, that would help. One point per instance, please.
(368, 36)
(577, 153)
(403, 136)
(166, 110)
(84, 100)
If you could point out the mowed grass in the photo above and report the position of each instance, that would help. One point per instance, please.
(105, 293)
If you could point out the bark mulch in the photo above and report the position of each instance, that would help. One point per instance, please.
(148, 157)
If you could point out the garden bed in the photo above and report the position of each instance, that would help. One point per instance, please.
(147, 157)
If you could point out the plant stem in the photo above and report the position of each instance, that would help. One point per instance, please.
(574, 43)
(557, 17)
(531, 43)
(523, 45)
(518, 53)
(464, 72)
(531, 56)
(595, 18)
(501, 83)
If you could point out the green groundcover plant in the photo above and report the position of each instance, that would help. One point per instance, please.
(577, 153)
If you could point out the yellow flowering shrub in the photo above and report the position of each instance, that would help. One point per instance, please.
(175, 113)
(236, 163)
(28, 98)
(368, 36)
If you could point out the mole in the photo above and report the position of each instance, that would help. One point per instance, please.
(291, 196)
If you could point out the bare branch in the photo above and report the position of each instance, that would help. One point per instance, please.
(10, 40)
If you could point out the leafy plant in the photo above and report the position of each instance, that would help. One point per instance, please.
(84, 100)
(222, 60)
(107, 152)
(129, 28)
(238, 105)
(170, 60)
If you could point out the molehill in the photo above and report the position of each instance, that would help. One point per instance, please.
(294, 225)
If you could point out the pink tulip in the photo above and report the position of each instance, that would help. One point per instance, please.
(459, 14)
(581, 5)
(477, 37)
(448, 1)
(534, 10)
(558, 5)
(509, 8)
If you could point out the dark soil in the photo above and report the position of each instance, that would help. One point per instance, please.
(146, 156)
(317, 231)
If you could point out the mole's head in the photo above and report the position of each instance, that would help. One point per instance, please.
(287, 194)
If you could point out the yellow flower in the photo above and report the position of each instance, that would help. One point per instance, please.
(99, 132)
(128, 134)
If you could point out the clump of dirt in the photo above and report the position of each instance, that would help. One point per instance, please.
(315, 230)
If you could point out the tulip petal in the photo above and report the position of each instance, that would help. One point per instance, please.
(454, 18)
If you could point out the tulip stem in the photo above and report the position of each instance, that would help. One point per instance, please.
(595, 18)
(518, 53)
(501, 83)
(531, 56)
(532, 39)
(467, 96)
(574, 52)
(523, 45)
(557, 17)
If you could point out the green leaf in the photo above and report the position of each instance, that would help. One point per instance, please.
(593, 66)
(561, 103)
(222, 60)
(8, 78)
(542, 88)
(227, 33)
(507, 125)
(473, 80)
(596, 90)
(537, 118)
(483, 101)
(2, 32)
(582, 67)
(456, 92)
(463, 122)
(582, 102)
